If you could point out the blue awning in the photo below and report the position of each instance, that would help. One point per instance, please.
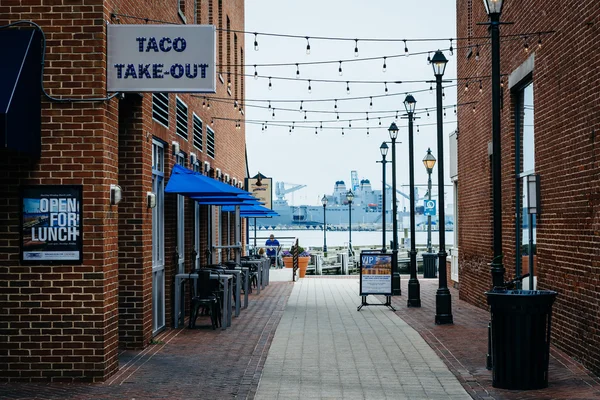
(253, 211)
(187, 182)
(20, 97)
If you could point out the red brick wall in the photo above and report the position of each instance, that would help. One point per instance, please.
(567, 120)
(67, 322)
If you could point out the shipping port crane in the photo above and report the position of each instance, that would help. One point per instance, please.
(281, 191)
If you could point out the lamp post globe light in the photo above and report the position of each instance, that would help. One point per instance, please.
(384, 150)
(429, 162)
(324, 202)
(393, 130)
(494, 9)
(443, 299)
(350, 197)
(414, 289)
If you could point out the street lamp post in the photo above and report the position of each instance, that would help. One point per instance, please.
(384, 150)
(494, 9)
(350, 197)
(324, 202)
(414, 289)
(429, 162)
(443, 299)
(393, 130)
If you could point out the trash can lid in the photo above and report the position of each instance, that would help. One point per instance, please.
(521, 299)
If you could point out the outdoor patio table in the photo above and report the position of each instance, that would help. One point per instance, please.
(179, 307)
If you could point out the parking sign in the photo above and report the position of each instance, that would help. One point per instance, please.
(429, 207)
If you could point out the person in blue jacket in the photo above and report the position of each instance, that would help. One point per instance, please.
(272, 246)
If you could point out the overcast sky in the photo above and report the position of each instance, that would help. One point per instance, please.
(319, 160)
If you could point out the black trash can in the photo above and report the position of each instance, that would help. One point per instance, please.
(520, 338)
(429, 265)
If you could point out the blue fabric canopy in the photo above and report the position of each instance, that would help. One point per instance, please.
(252, 211)
(187, 182)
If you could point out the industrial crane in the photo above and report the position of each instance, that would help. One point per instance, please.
(281, 191)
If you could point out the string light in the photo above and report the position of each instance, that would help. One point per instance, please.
(273, 115)
(316, 131)
(384, 68)
(539, 40)
(430, 88)
(208, 104)
(477, 53)
(335, 104)
(347, 87)
(269, 104)
(255, 41)
(428, 58)
(321, 126)
(307, 47)
(270, 85)
(309, 87)
(337, 115)
(371, 103)
(229, 80)
(473, 108)
(304, 114)
(266, 126)
(443, 94)
(342, 131)
(405, 48)
(340, 69)
(480, 86)
(297, 71)
(367, 131)
(355, 47)
(466, 86)
(444, 113)
(204, 103)
(455, 109)
(255, 73)
(379, 121)
(385, 85)
(212, 121)
(367, 116)
(427, 112)
(235, 104)
(293, 125)
(349, 124)
(418, 130)
(526, 45)
(451, 49)
(301, 103)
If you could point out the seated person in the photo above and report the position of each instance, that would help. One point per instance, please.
(272, 246)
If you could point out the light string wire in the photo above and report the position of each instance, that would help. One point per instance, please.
(43, 59)
(287, 126)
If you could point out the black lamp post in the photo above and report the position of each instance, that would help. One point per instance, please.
(494, 9)
(393, 130)
(350, 197)
(429, 162)
(443, 299)
(384, 150)
(324, 202)
(414, 289)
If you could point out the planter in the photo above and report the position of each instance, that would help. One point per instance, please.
(302, 264)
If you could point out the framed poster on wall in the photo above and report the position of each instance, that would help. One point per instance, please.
(51, 224)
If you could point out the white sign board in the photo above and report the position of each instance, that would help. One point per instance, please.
(161, 58)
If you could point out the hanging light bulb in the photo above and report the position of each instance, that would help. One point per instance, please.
(349, 124)
(539, 41)
(262, 127)
(321, 126)
(266, 125)
(293, 125)
(355, 47)
(367, 131)
(443, 94)
(444, 113)
(309, 87)
(428, 58)
(405, 48)
(337, 115)
(477, 53)
(455, 109)
(473, 108)
(371, 103)
(427, 112)
(301, 103)
(367, 116)
(229, 80)
(307, 47)
(480, 87)
(342, 131)
(255, 42)
(451, 49)
(304, 114)
(316, 131)
(208, 104)
(502, 82)
(204, 103)
(384, 68)
(466, 86)
(297, 71)
(335, 104)
(379, 121)
(396, 115)
(273, 115)
(526, 45)
(418, 130)
(212, 121)
(340, 69)
(269, 104)
(347, 87)
(270, 85)
(235, 104)
(430, 88)
(385, 85)
(255, 73)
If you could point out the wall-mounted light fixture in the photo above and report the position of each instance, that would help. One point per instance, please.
(218, 173)
(150, 199)
(176, 148)
(227, 178)
(115, 194)
(193, 158)
(533, 193)
(206, 167)
(234, 181)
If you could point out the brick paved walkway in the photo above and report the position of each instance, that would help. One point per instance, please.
(185, 364)
(463, 347)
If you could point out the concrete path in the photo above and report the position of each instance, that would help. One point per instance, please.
(323, 348)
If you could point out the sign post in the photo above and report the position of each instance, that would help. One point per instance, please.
(375, 277)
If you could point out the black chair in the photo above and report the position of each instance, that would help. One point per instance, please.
(205, 299)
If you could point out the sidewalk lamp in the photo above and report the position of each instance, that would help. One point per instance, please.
(324, 202)
(429, 162)
(393, 130)
(414, 289)
(494, 9)
(350, 197)
(384, 150)
(443, 300)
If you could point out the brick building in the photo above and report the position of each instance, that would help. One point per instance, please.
(60, 321)
(550, 118)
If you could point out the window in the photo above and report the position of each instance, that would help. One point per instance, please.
(197, 122)
(160, 108)
(525, 166)
(182, 119)
(210, 142)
